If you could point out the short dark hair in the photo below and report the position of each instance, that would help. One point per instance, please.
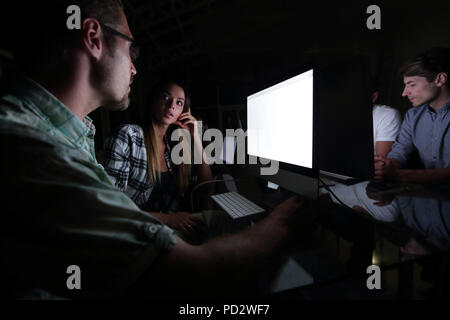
(428, 64)
(43, 39)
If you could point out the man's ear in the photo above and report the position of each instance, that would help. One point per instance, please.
(441, 79)
(92, 37)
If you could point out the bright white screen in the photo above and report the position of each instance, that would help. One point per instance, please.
(280, 121)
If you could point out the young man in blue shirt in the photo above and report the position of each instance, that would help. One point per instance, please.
(425, 127)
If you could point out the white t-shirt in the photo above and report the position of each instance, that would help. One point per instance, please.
(386, 124)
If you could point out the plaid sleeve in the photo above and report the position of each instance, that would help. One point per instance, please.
(117, 157)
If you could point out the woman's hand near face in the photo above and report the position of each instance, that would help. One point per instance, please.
(187, 121)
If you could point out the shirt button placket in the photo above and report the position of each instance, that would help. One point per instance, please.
(434, 141)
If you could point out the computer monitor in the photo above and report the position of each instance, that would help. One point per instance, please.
(345, 128)
(281, 127)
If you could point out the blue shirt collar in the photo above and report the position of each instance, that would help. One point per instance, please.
(441, 111)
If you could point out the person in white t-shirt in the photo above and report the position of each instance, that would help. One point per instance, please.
(386, 125)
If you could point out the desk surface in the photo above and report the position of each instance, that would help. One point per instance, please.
(404, 231)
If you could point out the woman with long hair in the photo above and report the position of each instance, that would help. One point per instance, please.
(138, 158)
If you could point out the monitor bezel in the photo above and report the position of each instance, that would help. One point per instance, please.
(365, 157)
(310, 172)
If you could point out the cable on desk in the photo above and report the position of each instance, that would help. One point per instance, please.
(333, 194)
(326, 185)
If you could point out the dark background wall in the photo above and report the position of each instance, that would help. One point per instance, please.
(226, 50)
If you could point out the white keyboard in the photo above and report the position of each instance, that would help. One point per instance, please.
(236, 205)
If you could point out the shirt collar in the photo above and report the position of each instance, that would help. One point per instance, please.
(444, 109)
(54, 111)
(441, 111)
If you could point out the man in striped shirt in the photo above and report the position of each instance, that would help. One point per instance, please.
(59, 207)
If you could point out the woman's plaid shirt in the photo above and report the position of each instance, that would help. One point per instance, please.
(126, 163)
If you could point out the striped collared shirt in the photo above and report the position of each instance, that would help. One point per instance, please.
(60, 208)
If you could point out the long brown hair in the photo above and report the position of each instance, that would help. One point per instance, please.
(183, 171)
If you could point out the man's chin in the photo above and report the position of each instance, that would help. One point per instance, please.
(118, 106)
(416, 103)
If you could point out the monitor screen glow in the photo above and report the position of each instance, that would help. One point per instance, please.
(280, 121)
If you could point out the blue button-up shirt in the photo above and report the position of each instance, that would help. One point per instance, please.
(427, 131)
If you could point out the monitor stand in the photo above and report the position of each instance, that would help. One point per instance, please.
(291, 181)
(346, 180)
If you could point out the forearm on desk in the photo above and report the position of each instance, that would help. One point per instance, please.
(424, 175)
(383, 147)
(163, 217)
(231, 262)
(224, 263)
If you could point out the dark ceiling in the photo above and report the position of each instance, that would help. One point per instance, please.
(232, 38)
(218, 34)
(224, 49)
(238, 43)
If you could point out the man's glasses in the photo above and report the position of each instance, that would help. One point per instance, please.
(134, 48)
